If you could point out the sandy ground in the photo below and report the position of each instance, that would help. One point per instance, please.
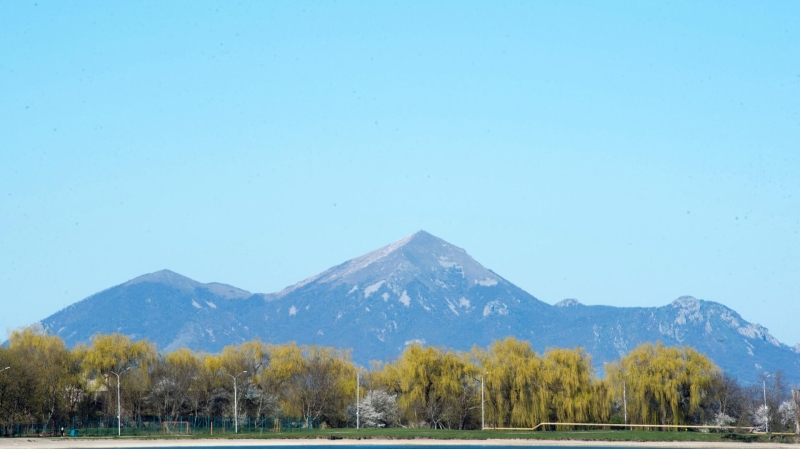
(78, 443)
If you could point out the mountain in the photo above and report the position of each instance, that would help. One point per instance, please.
(164, 307)
(741, 348)
(417, 289)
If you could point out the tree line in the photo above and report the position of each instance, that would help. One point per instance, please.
(47, 383)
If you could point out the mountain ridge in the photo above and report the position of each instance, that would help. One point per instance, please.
(419, 288)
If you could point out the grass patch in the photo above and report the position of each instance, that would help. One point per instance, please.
(411, 434)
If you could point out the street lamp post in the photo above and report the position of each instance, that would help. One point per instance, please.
(766, 410)
(119, 406)
(625, 398)
(358, 397)
(235, 402)
(483, 409)
(796, 399)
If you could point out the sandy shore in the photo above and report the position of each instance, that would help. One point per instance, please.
(78, 443)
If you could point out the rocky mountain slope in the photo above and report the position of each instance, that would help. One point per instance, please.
(418, 289)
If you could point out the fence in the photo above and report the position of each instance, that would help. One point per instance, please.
(208, 425)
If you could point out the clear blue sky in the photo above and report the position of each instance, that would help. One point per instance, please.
(618, 153)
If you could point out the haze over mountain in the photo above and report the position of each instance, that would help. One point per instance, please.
(417, 289)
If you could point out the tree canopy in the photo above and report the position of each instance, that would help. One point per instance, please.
(425, 387)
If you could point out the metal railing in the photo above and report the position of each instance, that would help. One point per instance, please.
(650, 426)
(176, 426)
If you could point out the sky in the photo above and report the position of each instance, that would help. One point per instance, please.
(620, 153)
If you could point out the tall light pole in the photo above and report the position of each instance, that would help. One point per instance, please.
(483, 409)
(235, 402)
(358, 393)
(766, 411)
(796, 399)
(119, 407)
(358, 397)
(625, 397)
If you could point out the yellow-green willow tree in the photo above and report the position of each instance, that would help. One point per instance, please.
(53, 385)
(524, 389)
(663, 384)
(250, 356)
(462, 407)
(208, 384)
(434, 387)
(515, 396)
(314, 382)
(12, 399)
(172, 383)
(114, 355)
(567, 377)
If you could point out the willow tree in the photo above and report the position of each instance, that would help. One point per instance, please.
(172, 380)
(249, 361)
(116, 358)
(209, 391)
(251, 356)
(462, 377)
(434, 387)
(12, 388)
(285, 362)
(515, 395)
(602, 399)
(315, 382)
(663, 385)
(54, 385)
(567, 377)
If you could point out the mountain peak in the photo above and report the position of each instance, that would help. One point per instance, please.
(686, 302)
(569, 302)
(417, 254)
(167, 277)
(181, 282)
(427, 242)
(421, 233)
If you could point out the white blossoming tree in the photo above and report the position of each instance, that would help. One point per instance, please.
(760, 417)
(723, 420)
(378, 409)
(788, 413)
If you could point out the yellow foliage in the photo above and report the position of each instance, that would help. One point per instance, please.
(663, 385)
(314, 381)
(435, 386)
(116, 353)
(567, 376)
(50, 370)
(514, 394)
